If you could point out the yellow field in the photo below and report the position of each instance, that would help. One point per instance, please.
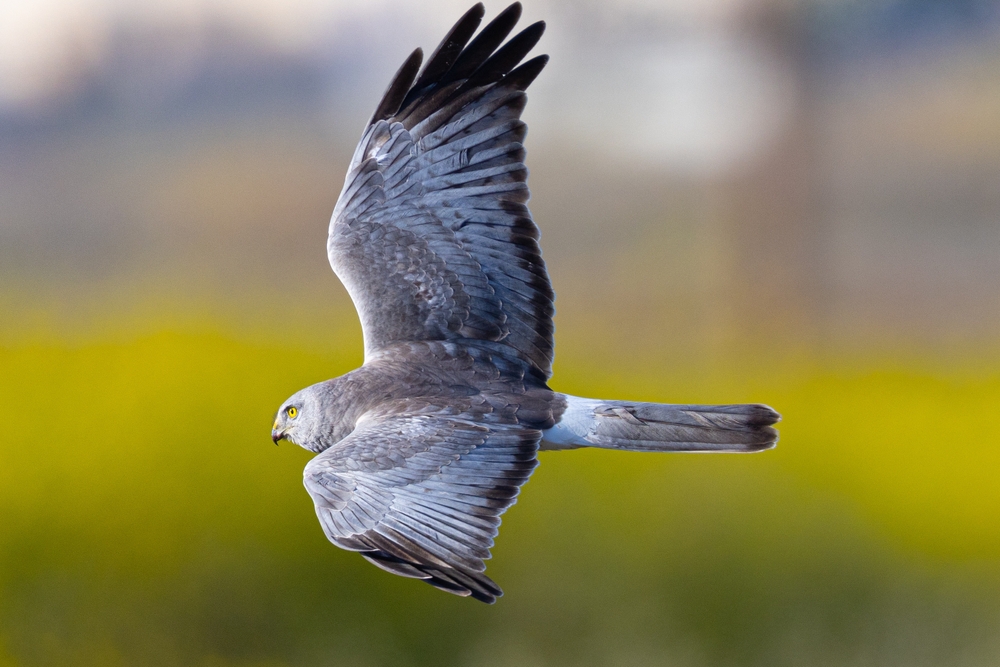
(147, 519)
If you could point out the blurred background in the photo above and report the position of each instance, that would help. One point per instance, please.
(787, 201)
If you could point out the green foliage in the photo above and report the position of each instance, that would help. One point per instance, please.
(147, 519)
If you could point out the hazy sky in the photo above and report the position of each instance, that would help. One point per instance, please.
(37, 37)
(667, 80)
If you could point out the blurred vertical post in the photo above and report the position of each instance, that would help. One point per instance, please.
(772, 287)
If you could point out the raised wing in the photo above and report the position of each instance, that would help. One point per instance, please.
(421, 495)
(432, 235)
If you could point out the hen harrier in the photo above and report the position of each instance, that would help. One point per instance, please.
(423, 448)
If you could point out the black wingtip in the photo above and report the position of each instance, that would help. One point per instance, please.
(512, 14)
(506, 57)
(527, 38)
(450, 47)
(468, 61)
(525, 73)
(396, 92)
(484, 44)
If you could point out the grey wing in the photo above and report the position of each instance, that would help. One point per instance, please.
(421, 495)
(432, 235)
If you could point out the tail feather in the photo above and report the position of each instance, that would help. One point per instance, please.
(657, 427)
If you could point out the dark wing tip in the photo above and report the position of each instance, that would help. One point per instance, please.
(484, 44)
(525, 73)
(466, 584)
(482, 61)
(396, 92)
(463, 62)
(450, 47)
(506, 57)
(456, 581)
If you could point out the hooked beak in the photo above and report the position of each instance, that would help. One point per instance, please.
(276, 433)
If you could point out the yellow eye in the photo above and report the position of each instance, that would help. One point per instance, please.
(292, 412)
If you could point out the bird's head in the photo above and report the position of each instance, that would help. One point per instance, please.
(298, 420)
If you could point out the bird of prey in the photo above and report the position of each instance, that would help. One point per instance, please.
(422, 448)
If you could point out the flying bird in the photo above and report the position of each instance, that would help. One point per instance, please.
(422, 448)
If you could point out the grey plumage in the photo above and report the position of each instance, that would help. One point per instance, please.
(424, 447)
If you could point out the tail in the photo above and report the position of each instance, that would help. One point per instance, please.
(657, 427)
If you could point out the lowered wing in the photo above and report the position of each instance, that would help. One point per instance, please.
(421, 495)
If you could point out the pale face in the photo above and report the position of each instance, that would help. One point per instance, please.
(295, 419)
